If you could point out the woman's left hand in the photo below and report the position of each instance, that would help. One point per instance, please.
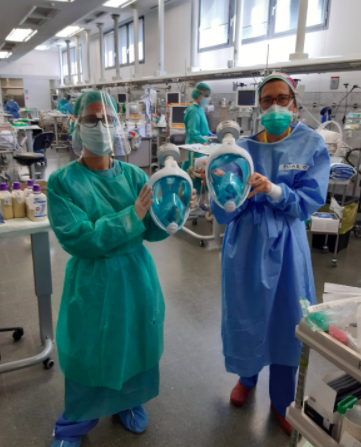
(193, 199)
(260, 183)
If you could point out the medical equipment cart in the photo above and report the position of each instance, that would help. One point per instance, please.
(215, 239)
(39, 233)
(335, 352)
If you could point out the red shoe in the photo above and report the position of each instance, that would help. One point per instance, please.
(240, 395)
(286, 427)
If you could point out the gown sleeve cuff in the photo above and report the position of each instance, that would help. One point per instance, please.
(276, 192)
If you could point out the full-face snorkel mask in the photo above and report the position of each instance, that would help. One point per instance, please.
(229, 169)
(172, 191)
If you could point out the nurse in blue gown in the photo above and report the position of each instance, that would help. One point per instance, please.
(266, 263)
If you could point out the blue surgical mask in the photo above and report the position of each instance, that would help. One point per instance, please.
(99, 140)
(276, 119)
(205, 102)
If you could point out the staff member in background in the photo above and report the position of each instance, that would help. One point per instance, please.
(196, 125)
(266, 262)
(12, 107)
(64, 105)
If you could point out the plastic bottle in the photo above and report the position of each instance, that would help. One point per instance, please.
(36, 205)
(29, 189)
(18, 201)
(6, 202)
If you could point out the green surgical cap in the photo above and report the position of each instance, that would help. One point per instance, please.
(97, 96)
(201, 88)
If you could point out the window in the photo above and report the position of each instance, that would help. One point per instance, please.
(214, 27)
(109, 53)
(286, 14)
(73, 64)
(262, 19)
(126, 45)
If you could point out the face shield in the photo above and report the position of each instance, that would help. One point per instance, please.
(172, 191)
(97, 130)
(229, 169)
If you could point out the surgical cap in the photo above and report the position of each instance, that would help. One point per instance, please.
(282, 77)
(89, 97)
(200, 89)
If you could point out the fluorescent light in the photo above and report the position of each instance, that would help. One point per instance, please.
(116, 3)
(65, 1)
(42, 47)
(21, 35)
(129, 3)
(69, 31)
(5, 54)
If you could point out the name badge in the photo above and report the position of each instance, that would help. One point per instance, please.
(294, 167)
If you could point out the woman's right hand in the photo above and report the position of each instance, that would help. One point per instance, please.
(143, 202)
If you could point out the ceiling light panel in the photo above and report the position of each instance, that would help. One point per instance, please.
(21, 35)
(69, 31)
(5, 54)
(115, 3)
(42, 47)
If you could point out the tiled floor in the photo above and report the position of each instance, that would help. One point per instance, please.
(193, 406)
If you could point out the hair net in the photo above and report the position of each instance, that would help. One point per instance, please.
(120, 146)
(282, 77)
(200, 89)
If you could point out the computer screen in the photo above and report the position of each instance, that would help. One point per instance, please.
(173, 98)
(122, 98)
(247, 98)
(178, 114)
(55, 97)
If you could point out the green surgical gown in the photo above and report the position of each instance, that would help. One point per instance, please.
(110, 325)
(196, 126)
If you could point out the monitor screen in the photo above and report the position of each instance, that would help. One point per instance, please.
(178, 114)
(122, 98)
(133, 109)
(173, 98)
(55, 97)
(246, 98)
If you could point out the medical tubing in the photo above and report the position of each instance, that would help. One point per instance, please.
(304, 107)
(349, 161)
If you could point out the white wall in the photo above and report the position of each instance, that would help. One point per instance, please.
(37, 93)
(39, 64)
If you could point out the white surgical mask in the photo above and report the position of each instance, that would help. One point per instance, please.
(99, 140)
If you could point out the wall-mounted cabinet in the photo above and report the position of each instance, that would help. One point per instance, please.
(12, 87)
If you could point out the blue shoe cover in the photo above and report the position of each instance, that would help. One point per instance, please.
(58, 443)
(135, 420)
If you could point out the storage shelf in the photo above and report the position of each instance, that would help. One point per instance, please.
(340, 355)
(311, 431)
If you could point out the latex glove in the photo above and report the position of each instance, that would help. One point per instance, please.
(259, 183)
(192, 202)
(143, 202)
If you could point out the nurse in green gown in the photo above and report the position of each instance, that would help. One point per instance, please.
(196, 125)
(110, 327)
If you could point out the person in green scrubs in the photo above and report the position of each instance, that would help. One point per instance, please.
(197, 130)
(110, 326)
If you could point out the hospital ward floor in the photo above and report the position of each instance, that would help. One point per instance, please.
(193, 408)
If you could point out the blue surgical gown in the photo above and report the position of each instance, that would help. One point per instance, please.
(13, 108)
(266, 262)
(196, 127)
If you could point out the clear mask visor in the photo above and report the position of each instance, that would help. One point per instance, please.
(171, 204)
(229, 177)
